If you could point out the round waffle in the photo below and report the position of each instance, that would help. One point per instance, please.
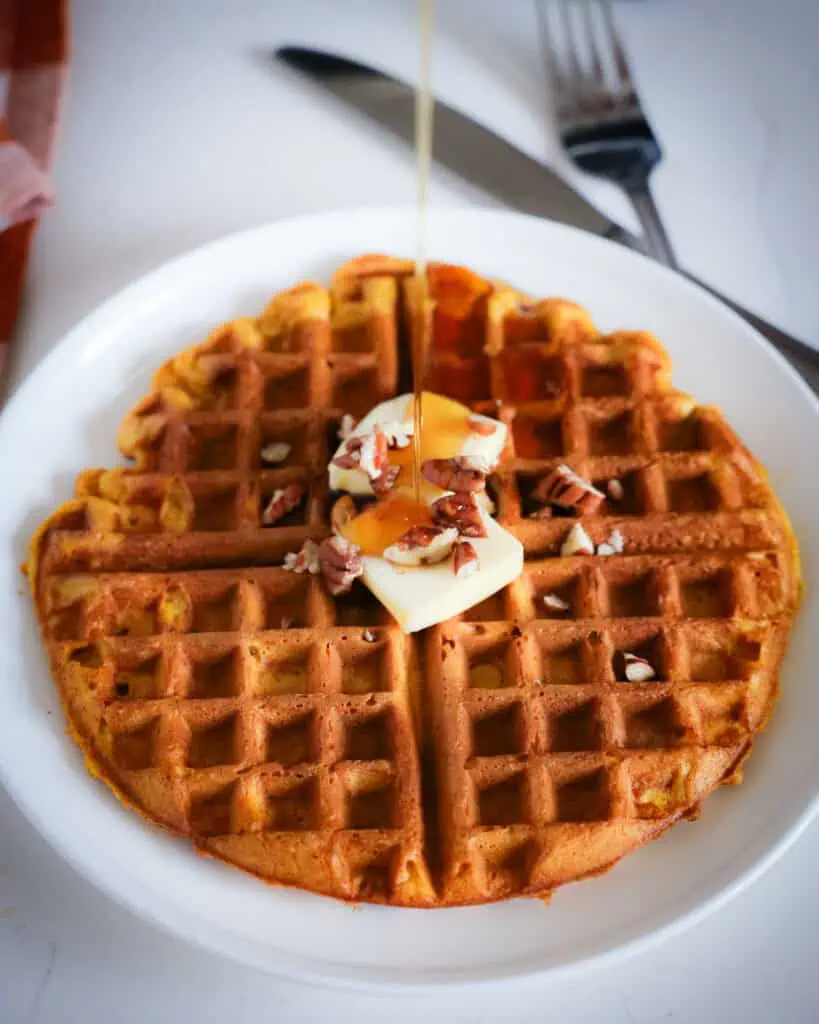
(503, 753)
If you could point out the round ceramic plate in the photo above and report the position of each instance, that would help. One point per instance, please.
(65, 417)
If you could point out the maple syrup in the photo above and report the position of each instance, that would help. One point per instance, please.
(385, 521)
(444, 428)
(440, 425)
(422, 318)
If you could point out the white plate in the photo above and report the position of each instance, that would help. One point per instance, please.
(65, 417)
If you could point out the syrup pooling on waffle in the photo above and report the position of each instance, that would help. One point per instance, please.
(290, 732)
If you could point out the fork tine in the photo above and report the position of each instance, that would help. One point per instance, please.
(591, 44)
(624, 81)
(550, 53)
(574, 60)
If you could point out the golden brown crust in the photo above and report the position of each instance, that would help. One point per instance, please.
(504, 753)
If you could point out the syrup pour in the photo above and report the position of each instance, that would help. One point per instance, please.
(422, 319)
(385, 521)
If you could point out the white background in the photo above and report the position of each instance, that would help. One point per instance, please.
(177, 131)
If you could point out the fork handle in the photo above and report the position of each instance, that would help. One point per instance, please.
(654, 233)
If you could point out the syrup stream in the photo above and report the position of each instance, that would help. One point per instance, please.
(422, 319)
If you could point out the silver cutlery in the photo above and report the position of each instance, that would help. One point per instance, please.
(605, 132)
(483, 158)
(599, 116)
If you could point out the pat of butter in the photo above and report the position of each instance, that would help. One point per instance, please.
(423, 596)
(399, 410)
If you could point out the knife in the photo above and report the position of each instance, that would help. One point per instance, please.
(479, 156)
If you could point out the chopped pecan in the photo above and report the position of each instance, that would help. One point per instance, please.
(340, 564)
(374, 453)
(284, 500)
(305, 560)
(465, 561)
(422, 545)
(637, 669)
(461, 511)
(461, 473)
(613, 545)
(385, 481)
(568, 489)
(275, 452)
(577, 542)
(350, 456)
(346, 427)
(482, 427)
(342, 512)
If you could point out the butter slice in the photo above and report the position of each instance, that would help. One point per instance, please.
(423, 596)
(399, 410)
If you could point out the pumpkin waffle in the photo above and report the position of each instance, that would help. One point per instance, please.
(505, 752)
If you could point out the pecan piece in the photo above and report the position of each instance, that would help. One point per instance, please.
(385, 481)
(465, 561)
(275, 452)
(422, 545)
(568, 489)
(482, 427)
(637, 669)
(577, 542)
(613, 546)
(461, 473)
(346, 427)
(284, 500)
(340, 564)
(305, 560)
(374, 453)
(350, 456)
(342, 512)
(461, 511)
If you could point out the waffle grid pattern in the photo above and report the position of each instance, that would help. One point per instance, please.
(552, 740)
(297, 736)
(222, 723)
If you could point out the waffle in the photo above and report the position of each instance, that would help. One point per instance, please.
(502, 753)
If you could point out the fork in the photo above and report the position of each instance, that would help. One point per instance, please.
(599, 116)
(605, 132)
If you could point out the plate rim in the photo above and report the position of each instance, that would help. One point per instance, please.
(296, 965)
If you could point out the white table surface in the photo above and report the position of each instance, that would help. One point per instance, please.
(177, 131)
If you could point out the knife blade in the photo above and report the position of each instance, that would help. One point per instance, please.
(462, 145)
(485, 159)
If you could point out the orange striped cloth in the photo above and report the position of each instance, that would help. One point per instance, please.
(33, 56)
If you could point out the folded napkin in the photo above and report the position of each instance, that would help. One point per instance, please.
(33, 53)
